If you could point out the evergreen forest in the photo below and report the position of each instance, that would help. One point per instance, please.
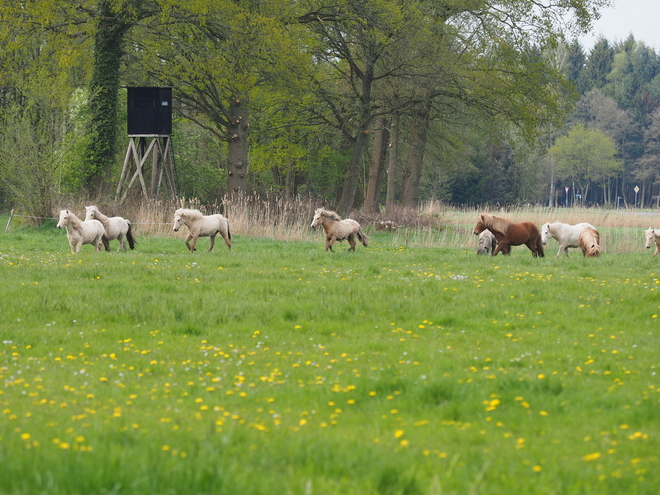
(362, 104)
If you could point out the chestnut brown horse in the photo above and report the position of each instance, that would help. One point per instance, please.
(510, 234)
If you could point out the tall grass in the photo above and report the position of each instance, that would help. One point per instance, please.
(433, 224)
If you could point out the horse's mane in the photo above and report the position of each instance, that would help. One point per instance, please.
(329, 214)
(188, 212)
(590, 241)
(74, 220)
(497, 224)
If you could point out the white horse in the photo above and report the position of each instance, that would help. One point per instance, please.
(115, 227)
(202, 226)
(79, 233)
(337, 229)
(565, 234)
(653, 235)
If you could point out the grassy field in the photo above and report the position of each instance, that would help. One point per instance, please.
(280, 368)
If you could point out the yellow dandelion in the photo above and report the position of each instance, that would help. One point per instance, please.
(398, 433)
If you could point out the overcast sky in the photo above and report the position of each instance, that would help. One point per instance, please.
(639, 17)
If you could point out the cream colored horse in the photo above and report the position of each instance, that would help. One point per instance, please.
(115, 227)
(337, 229)
(202, 226)
(653, 236)
(79, 233)
(565, 234)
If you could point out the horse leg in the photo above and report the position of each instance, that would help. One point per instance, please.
(329, 241)
(191, 248)
(657, 249)
(122, 243)
(227, 240)
(532, 247)
(500, 247)
(212, 241)
(351, 241)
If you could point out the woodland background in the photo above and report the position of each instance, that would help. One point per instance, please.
(361, 104)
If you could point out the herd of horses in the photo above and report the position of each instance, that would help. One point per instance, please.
(496, 234)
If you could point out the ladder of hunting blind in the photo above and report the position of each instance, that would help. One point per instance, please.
(140, 148)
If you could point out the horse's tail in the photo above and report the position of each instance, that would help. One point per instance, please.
(129, 236)
(539, 247)
(228, 233)
(363, 238)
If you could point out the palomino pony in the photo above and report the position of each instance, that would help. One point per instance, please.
(202, 226)
(510, 234)
(653, 235)
(589, 242)
(115, 227)
(337, 229)
(565, 234)
(79, 233)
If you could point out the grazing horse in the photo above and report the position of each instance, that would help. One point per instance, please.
(202, 226)
(510, 234)
(337, 229)
(79, 233)
(115, 227)
(565, 234)
(487, 242)
(589, 242)
(653, 235)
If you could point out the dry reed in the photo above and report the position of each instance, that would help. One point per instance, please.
(433, 224)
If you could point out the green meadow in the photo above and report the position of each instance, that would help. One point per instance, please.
(280, 368)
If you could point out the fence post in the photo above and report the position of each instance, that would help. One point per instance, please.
(11, 215)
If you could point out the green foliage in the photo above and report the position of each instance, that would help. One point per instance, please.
(38, 149)
(198, 162)
(585, 155)
(280, 367)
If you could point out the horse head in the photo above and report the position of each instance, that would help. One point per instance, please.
(317, 218)
(90, 213)
(650, 237)
(178, 221)
(480, 227)
(64, 217)
(545, 233)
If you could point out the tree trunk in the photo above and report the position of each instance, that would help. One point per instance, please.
(237, 160)
(290, 183)
(350, 183)
(552, 188)
(413, 171)
(100, 154)
(390, 198)
(377, 168)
